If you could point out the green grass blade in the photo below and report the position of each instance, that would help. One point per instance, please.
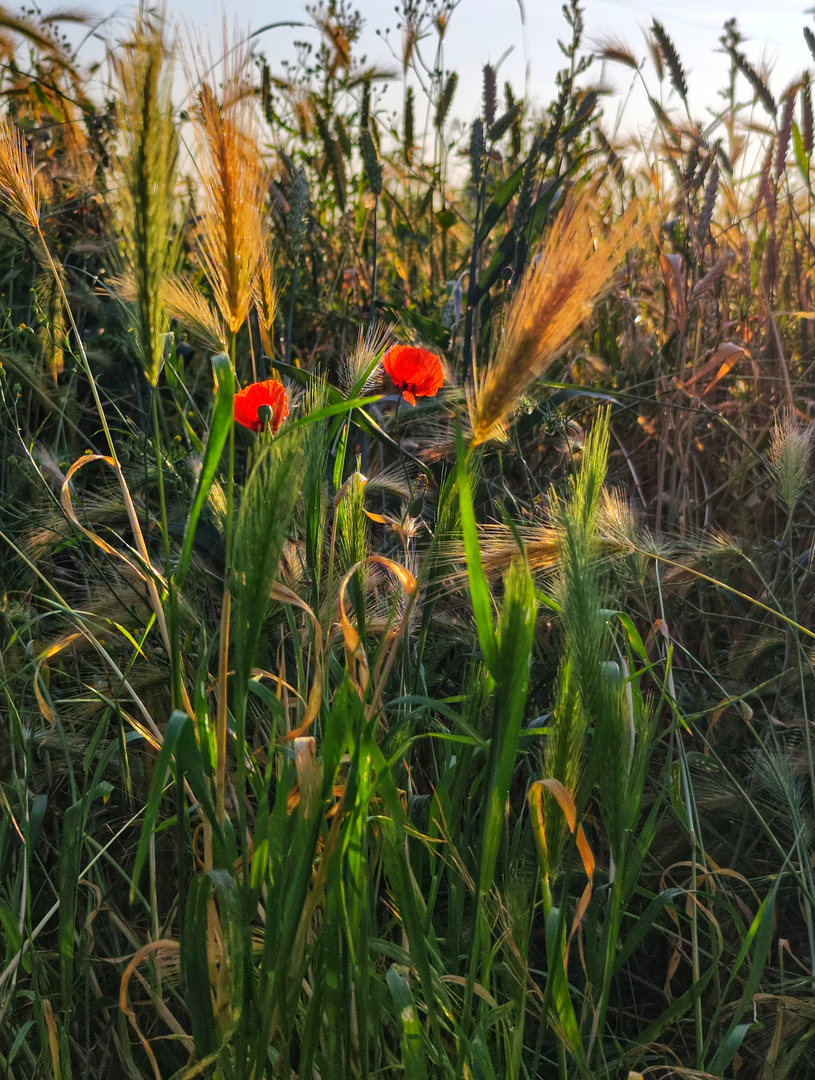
(218, 432)
(759, 936)
(411, 1042)
(479, 589)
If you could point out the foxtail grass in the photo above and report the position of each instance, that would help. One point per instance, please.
(188, 304)
(144, 182)
(231, 225)
(265, 297)
(576, 265)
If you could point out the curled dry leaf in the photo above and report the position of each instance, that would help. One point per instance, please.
(671, 266)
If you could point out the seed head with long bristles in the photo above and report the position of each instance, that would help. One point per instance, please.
(232, 226)
(575, 267)
(789, 457)
(145, 174)
(187, 304)
(18, 187)
(265, 296)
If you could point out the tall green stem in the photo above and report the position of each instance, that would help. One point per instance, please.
(373, 268)
(223, 647)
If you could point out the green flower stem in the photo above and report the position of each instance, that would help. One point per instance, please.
(223, 647)
(373, 267)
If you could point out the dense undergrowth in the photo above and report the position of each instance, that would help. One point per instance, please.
(361, 738)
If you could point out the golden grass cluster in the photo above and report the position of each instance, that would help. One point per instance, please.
(18, 186)
(575, 266)
(232, 234)
(265, 297)
(189, 305)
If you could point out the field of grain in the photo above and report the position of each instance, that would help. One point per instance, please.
(407, 617)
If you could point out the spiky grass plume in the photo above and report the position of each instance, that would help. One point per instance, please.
(616, 50)
(790, 450)
(265, 296)
(187, 304)
(618, 537)
(262, 527)
(361, 370)
(582, 691)
(145, 180)
(231, 235)
(671, 58)
(575, 267)
(354, 526)
(18, 187)
(408, 136)
(446, 99)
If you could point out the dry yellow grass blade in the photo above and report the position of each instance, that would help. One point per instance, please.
(161, 951)
(575, 266)
(565, 801)
(356, 660)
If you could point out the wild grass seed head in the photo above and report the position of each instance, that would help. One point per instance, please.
(145, 173)
(790, 449)
(18, 186)
(575, 266)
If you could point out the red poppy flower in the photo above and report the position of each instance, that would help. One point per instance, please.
(416, 372)
(248, 401)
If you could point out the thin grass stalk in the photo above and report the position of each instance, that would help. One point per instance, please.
(180, 699)
(223, 645)
(806, 862)
(374, 265)
(480, 180)
(290, 316)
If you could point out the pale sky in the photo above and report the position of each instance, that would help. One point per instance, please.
(483, 31)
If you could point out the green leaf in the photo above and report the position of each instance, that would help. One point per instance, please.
(644, 924)
(633, 635)
(195, 968)
(69, 859)
(446, 219)
(500, 201)
(676, 1010)
(801, 157)
(559, 989)
(179, 738)
(516, 630)
(760, 937)
(414, 1054)
(431, 332)
(218, 432)
(479, 589)
(14, 939)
